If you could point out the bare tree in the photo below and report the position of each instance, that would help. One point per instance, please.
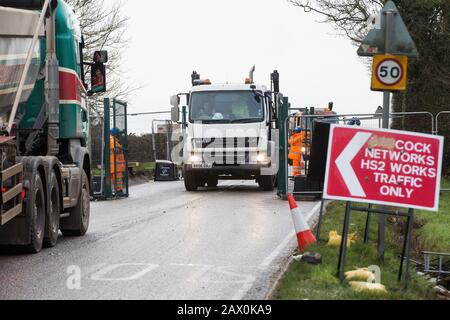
(429, 24)
(349, 17)
(103, 27)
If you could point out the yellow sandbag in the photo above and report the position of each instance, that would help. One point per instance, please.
(362, 274)
(358, 286)
(335, 239)
(353, 237)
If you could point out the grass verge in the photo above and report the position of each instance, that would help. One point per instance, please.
(434, 234)
(303, 281)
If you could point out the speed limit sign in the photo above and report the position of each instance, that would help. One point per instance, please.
(389, 73)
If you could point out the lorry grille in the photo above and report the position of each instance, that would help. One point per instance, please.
(227, 143)
(222, 152)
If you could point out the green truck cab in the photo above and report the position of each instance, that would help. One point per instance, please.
(44, 119)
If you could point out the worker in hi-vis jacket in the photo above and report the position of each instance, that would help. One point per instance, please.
(295, 151)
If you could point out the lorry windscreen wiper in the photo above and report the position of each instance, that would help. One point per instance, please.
(250, 120)
(215, 121)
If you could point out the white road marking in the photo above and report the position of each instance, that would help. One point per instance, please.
(94, 268)
(100, 275)
(197, 275)
(276, 252)
(273, 255)
(243, 291)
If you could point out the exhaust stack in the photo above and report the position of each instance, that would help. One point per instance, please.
(250, 75)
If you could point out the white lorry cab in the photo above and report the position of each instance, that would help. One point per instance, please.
(230, 133)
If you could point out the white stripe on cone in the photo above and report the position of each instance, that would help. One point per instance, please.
(305, 237)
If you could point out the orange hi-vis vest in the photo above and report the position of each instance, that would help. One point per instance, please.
(120, 157)
(296, 144)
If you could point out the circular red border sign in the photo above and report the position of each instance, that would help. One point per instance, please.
(401, 69)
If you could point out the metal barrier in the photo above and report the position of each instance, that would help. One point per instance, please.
(112, 181)
(443, 129)
(163, 141)
(166, 143)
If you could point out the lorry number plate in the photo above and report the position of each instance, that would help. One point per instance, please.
(202, 166)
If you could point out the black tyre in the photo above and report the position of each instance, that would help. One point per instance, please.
(53, 216)
(35, 211)
(78, 222)
(212, 182)
(190, 181)
(267, 183)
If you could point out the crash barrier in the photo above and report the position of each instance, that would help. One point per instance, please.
(315, 132)
(111, 179)
(162, 140)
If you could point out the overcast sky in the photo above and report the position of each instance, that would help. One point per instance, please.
(222, 39)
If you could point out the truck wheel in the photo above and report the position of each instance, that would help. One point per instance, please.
(77, 224)
(190, 181)
(267, 183)
(212, 182)
(52, 221)
(35, 211)
(201, 182)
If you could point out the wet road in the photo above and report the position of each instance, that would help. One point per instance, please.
(165, 243)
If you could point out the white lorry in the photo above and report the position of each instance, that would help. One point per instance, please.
(230, 132)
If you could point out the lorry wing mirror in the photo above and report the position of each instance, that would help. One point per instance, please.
(98, 78)
(98, 72)
(175, 101)
(175, 114)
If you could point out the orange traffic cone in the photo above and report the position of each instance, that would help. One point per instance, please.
(305, 237)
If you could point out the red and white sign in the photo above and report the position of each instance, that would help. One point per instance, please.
(385, 167)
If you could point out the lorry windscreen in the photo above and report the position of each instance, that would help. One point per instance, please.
(226, 107)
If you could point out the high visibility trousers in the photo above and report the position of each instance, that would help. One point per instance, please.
(297, 166)
(117, 182)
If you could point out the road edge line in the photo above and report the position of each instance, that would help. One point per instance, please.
(289, 261)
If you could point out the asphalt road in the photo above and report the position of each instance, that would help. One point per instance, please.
(165, 243)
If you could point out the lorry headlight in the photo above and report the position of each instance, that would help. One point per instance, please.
(195, 158)
(262, 158)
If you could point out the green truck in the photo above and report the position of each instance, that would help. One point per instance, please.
(45, 171)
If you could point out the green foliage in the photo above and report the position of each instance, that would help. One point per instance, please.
(434, 234)
(429, 77)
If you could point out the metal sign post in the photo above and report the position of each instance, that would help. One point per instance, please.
(389, 37)
(385, 168)
(390, 14)
(283, 116)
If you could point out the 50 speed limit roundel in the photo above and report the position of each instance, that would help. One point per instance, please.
(389, 73)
